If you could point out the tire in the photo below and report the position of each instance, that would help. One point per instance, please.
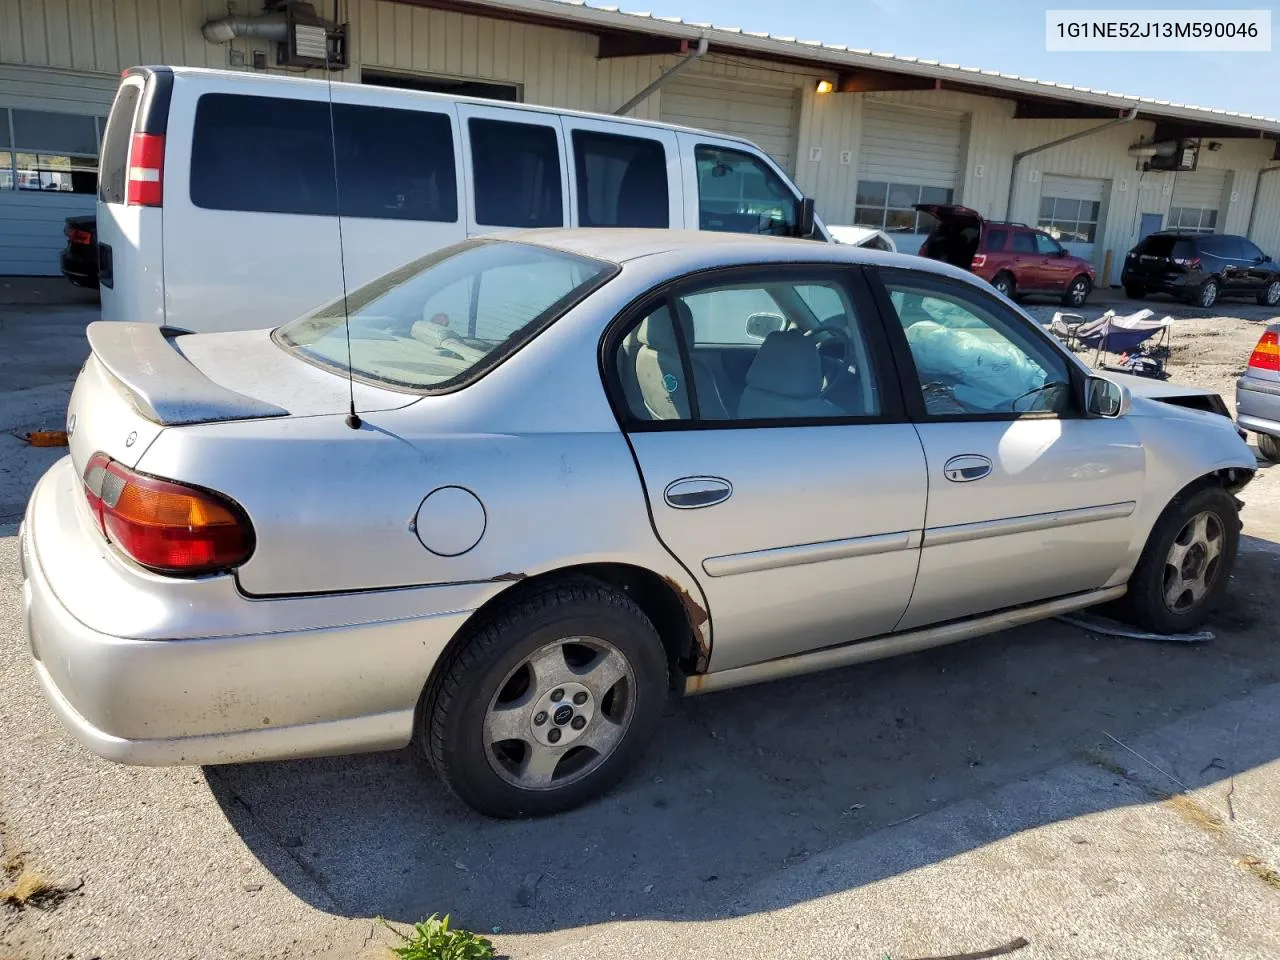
(1077, 292)
(463, 710)
(1154, 578)
(1207, 295)
(1270, 295)
(1134, 292)
(1269, 447)
(1004, 283)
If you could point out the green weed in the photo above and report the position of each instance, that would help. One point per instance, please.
(432, 939)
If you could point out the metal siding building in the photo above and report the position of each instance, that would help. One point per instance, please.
(895, 130)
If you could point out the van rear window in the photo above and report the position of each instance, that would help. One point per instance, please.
(115, 145)
(276, 155)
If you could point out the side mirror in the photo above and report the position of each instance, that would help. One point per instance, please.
(805, 218)
(1106, 398)
(760, 325)
(1064, 252)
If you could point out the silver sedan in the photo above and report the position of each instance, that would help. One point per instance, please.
(508, 497)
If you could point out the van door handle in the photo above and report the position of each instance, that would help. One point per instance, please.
(689, 493)
(967, 467)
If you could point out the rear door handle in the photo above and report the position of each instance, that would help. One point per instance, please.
(966, 467)
(689, 493)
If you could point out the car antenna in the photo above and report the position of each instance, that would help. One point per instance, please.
(353, 419)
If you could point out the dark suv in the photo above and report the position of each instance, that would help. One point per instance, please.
(1012, 257)
(1200, 267)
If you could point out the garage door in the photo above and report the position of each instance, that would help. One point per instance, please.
(50, 127)
(906, 156)
(767, 116)
(1196, 198)
(1071, 211)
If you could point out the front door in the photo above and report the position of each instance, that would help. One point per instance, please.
(779, 468)
(1028, 498)
(1056, 269)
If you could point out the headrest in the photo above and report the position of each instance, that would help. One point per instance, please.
(656, 333)
(787, 365)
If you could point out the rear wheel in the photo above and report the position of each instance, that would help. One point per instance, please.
(1269, 447)
(1077, 292)
(1134, 291)
(1270, 295)
(1003, 282)
(1207, 295)
(548, 702)
(1186, 564)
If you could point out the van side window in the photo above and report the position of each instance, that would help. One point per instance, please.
(115, 146)
(622, 181)
(275, 155)
(740, 193)
(516, 174)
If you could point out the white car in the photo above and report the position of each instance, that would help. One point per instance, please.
(869, 237)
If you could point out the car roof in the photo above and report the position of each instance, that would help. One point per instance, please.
(700, 249)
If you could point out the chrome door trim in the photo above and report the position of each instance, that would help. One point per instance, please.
(862, 651)
(962, 532)
(775, 557)
(692, 493)
(967, 467)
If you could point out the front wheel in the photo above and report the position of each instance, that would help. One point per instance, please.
(1186, 564)
(1077, 292)
(547, 703)
(1270, 295)
(1269, 447)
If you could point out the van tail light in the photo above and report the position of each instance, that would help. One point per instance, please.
(1266, 355)
(165, 526)
(146, 171)
(979, 260)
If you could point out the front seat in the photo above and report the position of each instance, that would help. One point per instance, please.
(785, 380)
(660, 373)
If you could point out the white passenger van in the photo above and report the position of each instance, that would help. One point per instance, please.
(219, 190)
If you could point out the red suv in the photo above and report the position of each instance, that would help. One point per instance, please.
(1012, 257)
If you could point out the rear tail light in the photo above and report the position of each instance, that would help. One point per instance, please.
(146, 170)
(165, 526)
(979, 260)
(1266, 355)
(1192, 262)
(78, 236)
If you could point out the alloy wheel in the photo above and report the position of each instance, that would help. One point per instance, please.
(1209, 294)
(560, 713)
(1273, 293)
(1192, 564)
(1079, 291)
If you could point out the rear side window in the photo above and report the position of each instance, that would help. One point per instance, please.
(273, 155)
(622, 181)
(1023, 242)
(995, 240)
(516, 174)
(115, 145)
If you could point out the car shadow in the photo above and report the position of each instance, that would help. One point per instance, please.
(742, 784)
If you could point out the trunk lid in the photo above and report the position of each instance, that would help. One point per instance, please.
(954, 238)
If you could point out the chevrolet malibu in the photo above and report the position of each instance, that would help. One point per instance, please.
(505, 499)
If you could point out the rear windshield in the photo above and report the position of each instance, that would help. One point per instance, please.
(1165, 246)
(441, 321)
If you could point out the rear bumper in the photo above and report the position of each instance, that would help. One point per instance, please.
(1178, 284)
(1258, 405)
(79, 270)
(275, 692)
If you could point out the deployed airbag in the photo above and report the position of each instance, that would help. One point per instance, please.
(985, 374)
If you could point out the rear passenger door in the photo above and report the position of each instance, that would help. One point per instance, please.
(1025, 260)
(516, 164)
(622, 175)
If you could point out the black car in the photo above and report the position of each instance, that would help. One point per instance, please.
(1200, 267)
(80, 256)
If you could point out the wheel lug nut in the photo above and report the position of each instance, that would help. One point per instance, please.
(578, 722)
(540, 718)
(557, 696)
(554, 734)
(580, 698)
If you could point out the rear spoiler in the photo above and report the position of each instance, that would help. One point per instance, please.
(161, 384)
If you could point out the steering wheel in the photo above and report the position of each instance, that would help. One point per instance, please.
(847, 355)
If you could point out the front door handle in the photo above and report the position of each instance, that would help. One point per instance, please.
(967, 467)
(689, 493)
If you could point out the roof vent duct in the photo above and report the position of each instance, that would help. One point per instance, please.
(302, 37)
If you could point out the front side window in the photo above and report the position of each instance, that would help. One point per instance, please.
(740, 193)
(750, 351)
(516, 174)
(444, 319)
(1071, 221)
(1248, 251)
(1047, 246)
(973, 356)
(622, 181)
(890, 206)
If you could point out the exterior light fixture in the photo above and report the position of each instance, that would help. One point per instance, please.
(825, 86)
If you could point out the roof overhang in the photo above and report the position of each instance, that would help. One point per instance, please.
(860, 71)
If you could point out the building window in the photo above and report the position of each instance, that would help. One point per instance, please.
(1192, 219)
(49, 152)
(890, 206)
(1069, 221)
